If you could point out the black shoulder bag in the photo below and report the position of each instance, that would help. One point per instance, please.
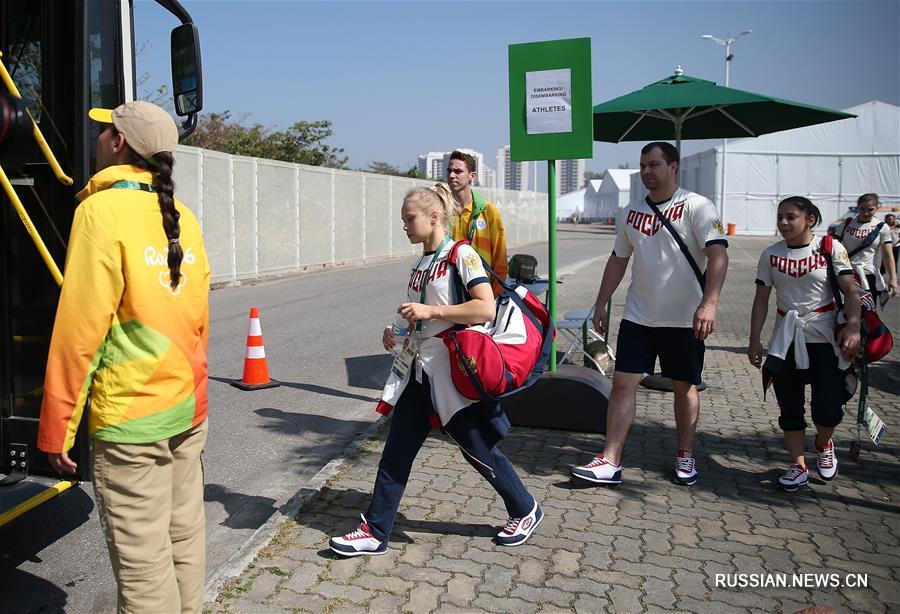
(701, 276)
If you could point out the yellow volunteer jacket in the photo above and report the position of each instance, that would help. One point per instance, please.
(122, 334)
(480, 224)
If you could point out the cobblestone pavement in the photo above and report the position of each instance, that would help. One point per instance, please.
(648, 546)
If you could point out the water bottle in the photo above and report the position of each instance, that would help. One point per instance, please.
(400, 328)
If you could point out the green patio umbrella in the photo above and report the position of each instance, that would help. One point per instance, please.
(681, 107)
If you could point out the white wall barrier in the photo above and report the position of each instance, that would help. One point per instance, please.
(263, 218)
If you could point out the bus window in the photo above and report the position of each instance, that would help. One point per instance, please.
(23, 53)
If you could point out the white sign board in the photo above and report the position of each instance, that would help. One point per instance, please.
(548, 101)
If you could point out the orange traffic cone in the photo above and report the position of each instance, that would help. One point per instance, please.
(256, 371)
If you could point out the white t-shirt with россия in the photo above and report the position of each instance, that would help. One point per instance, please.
(800, 278)
(438, 290)
(664, 291)
(854, 233)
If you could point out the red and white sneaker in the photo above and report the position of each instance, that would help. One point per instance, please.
(795, 477)
(827, 463)
(685, 469)
(518, 530)
(600, 471)
(360, 541)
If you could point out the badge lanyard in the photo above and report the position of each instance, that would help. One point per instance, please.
(431, 264)
(472, 225)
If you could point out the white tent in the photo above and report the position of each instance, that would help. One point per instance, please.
(570, 203)
(613, 193)
(831, 164)
(592, 199)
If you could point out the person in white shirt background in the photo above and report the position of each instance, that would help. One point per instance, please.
(891, 221)
(867, 260)
(804, 347)
(667, 314)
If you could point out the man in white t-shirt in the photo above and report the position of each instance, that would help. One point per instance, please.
(667, 315)
(853, 234)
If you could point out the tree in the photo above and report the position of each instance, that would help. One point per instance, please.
(383, 168)
(302, 143)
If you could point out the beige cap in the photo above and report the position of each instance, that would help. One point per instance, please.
(148, 128)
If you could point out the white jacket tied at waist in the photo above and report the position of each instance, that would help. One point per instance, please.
(792, 327)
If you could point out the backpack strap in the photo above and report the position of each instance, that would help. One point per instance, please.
(870, 238)
(826, 248)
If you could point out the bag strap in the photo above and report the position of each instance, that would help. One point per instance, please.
(826, 247)
(844, 229)
(870, 238)
(701, 277)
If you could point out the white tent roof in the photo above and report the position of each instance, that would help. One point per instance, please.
(617, 179)
(595, 184)
(876, 129)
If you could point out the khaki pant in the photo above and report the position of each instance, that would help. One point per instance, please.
(150, 499)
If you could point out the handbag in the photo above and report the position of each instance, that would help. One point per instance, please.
(509, 353)
(876, 337)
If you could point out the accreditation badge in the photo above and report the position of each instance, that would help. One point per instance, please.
(403, 362)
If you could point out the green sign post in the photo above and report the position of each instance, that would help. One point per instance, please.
(551, 118)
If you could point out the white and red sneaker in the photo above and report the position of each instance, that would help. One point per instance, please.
(795, 477)
(360, 541)
(827, 463)
(600, 471)
(518, 530)
(685, 469)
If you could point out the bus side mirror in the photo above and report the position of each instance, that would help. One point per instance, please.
(187, 74)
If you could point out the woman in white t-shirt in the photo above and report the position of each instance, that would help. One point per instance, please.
(803, 348)
(420, 392)
(854, 233)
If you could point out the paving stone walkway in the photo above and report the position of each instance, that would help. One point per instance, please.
(649, 546)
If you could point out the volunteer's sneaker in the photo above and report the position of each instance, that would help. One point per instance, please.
(360, 541)
(599, 470)
(518, 530)
(827, 463)
(685, 470)
(795, 477)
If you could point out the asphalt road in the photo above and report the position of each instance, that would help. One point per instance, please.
(322, 336)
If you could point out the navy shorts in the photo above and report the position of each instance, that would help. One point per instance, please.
(680, 353)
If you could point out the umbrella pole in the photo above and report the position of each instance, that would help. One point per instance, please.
(551, 277)
(678, 121)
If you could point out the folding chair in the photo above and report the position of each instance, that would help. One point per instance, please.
(577, 328)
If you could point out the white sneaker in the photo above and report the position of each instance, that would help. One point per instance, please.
(685, 470)
(360, 541)
(518, 530)
(795, 477)
(827, 463)
(599, 470)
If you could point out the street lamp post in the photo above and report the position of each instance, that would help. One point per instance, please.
(727, 43)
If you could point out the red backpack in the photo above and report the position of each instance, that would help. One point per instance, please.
(507, 354)
(877, 339)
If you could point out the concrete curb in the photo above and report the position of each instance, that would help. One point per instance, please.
(243, 556)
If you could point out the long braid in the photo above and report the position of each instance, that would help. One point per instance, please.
(162, 165)
(165, 192)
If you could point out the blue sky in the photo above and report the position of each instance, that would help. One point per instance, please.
(398, 79)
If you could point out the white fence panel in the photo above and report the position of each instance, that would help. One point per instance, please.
(264, 217)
